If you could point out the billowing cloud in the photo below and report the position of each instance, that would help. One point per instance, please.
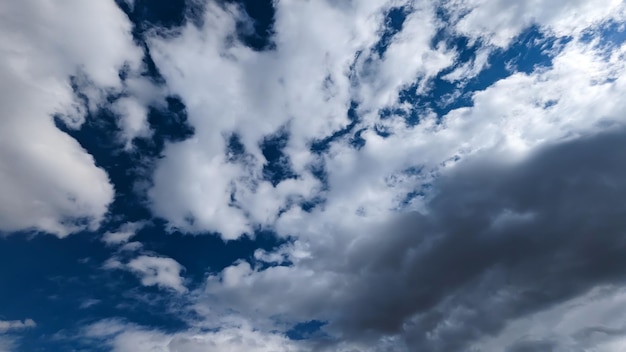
(492, 206)
(159, 271)
(308, 89)
(47, 181)
(499, 22)
(496, 223)
(498, 242)
(302, 90)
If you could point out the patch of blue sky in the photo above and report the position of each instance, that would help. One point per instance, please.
(49, 279)
(532, 49)
(255, 31)
(146, 14)
(609, 34)
(308, 330)
(259, 34)
(394, 21)
(322, 145)
(278, 166)
(606, 37)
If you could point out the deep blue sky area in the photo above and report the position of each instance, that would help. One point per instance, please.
(68, 284)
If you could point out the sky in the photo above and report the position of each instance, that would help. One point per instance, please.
(312, 175)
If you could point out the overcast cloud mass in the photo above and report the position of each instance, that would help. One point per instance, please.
(291, 175)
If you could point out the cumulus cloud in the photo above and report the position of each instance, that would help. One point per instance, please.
(443, 233)
(498, 242)
(439, 227)
(499, 22)
(303, 89)
(307, 86)
(123, 234)
(47, 181)
(159, 271)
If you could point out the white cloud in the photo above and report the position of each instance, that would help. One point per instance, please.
(12, 325)
(159, 271)
(498, 22)
(133, 120)
(507, 121)
(306, 86)
(303, 86)
(123, 234)
(47, 181)
(321, 64)
(123, 337)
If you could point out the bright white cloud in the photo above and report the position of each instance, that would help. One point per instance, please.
(582, 93)
(159, 271)
(123, 234)
(499, 22)
(324, 62)
(304, 86)
(47, 181)
(133, 120)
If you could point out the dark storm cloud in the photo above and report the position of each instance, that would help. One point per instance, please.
(499, 242)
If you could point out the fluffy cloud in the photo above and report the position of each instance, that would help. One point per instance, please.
(163, 272)
(151, 270)
(123, 234)
(449, 232)
(305, 87)
(503, 184)
(499, 22)
(498, 242)
(47, 181)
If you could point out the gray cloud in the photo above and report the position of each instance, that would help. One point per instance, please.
(499, 242)
(532, 346)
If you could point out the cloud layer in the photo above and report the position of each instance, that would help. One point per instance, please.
(422, 199)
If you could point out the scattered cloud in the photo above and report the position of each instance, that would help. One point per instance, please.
(123, 234)
(13, 325)
(159, 271)
(496, 225)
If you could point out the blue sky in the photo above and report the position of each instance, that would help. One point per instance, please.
(289, 175)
